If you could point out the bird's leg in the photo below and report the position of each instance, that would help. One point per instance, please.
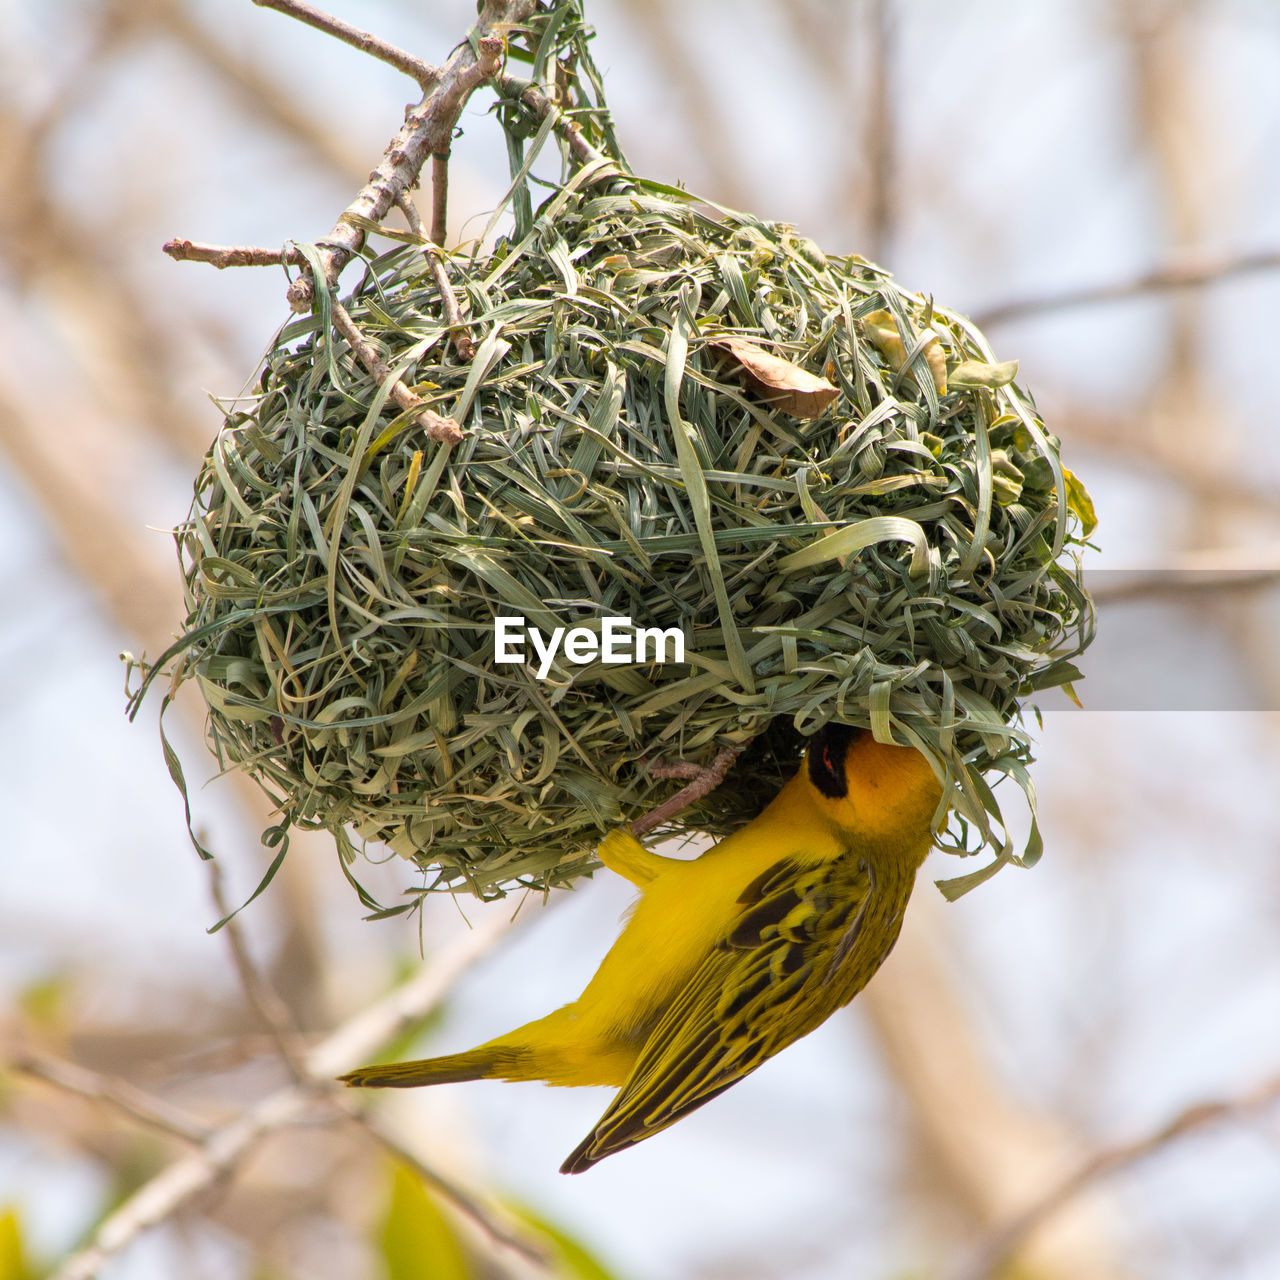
(705, 780)
(676, 769)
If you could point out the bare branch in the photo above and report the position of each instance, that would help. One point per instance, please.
(981, 1143)
(427, 131)
(1187, 275)
(411, 215)
(880, 136)
(992, 1254)
(706, 781)
(446, 1188)
(222, 1150)
(258, 96)
(439, 428)
(262, 997)
(223, 256)
(1148, 441)
(118, 1094)
(425, 74)
(458, 334)
(663, 25)
(1124, 585)
(68, 259)
(440, 197)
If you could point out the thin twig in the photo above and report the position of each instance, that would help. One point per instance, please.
(411, 215)
(425, 74)
(260, 94)
(439, 428)
(223, 256)
(221, 1151)
(690, 95)
(458, 333)
(427, 130)
(440, 197)
(462, 1200)
(1149, 444)
(1002, 1242)
(880, 136)
(1186, 275)
(122, 1096)
(225, 1055)
(706, 781)
(262, 997)
(1115, 586)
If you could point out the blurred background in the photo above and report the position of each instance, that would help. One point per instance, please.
(1039, 167)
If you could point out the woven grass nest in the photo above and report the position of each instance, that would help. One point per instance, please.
(674, 413)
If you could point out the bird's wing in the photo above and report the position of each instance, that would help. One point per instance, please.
(796, 927)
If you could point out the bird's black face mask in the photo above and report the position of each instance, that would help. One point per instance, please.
(827, 750)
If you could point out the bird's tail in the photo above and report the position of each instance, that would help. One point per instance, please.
(475, 1064)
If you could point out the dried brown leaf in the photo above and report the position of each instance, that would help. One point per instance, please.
(784, 385)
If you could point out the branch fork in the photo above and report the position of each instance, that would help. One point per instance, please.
(426, 133)
(220, 1150)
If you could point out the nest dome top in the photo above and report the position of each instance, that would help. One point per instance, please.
(672, 414)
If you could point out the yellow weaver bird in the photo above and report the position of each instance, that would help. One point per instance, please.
(727, 958)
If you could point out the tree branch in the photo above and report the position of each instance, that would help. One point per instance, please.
(118, 1094)
(221, 1151)
(693, 101)
(425, 74)
(260, 97)
(458, 334)
(879, 137)
(981, 1144)
(439, 428)
(440, 197)
(1115, 586)
(447, 1189)
(541, 106)
(1185, 275)
(427, 131)
(1002, 1242)
(262, 998)
(223, 256)
(676, 769)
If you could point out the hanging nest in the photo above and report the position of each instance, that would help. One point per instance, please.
(674, 413)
